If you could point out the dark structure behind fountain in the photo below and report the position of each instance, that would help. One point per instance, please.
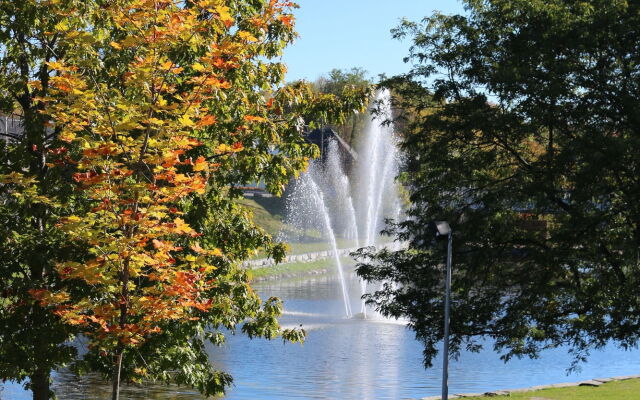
(323, 136)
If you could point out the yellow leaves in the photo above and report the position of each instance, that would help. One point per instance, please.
(182, 227)
(127, 42)
(184, 142)
(35, 85)
(17, 178)
(198, 67)
(186, 121)
(244, 35)
(201, 164)
(216, 252)
(135, 126)
(67, 136)
(166, 66)
(47, 298)
(27, 192)
(127, 126)
(73, 319)
(155, 121)
(58, 66)
(225, 148)
(61, 26)
(90, 272)
(224, 15)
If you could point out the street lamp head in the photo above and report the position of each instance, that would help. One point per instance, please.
(439, 229)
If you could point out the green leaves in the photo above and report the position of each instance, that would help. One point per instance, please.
(119, 204)
(517, 135)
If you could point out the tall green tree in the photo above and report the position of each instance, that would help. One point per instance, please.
(32, 340)
(340, 82)
(145, 116)
(523, 133)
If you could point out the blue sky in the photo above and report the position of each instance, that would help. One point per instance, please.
(354, 33)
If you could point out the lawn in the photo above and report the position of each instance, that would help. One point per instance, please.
(617, 390)
(299, 267)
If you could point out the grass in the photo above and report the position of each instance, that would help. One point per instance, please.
(310, 247)
(617, 390)
(297, 267)
(266, 213)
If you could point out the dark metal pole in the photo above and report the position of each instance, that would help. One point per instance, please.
(447, 305)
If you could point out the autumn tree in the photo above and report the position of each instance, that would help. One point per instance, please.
(155, 112)
(523, 134)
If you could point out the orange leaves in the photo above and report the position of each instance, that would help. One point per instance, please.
(182, 228)
(103, 149)
(207, 120)
(217, 82)
(164, 246)
(253, 118)
(225, 148)
(184, 142)
(143, 140)
(87, 178)
(199, 250)
(286, 19)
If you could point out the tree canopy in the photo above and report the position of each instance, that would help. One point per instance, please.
(119, 214)
(522, 132)
(340, 82)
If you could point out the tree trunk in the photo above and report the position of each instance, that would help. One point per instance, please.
(117, 366)
(40, 385)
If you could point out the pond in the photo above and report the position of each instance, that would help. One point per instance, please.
(349, 359)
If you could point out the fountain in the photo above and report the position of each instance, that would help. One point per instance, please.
(329, 202)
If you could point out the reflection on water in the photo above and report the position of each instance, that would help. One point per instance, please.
(348, 359)
(91, 387)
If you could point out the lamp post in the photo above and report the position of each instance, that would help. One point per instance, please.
(442, 230)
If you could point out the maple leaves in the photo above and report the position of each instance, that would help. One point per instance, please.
(160, 108)
(151, 130)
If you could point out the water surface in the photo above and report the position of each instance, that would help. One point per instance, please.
(349, 359)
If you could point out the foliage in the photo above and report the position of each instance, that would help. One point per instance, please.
(339, 82)
(154, 113)
(523, 135)
(32, 198)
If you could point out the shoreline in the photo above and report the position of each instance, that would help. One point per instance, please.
(506, 392)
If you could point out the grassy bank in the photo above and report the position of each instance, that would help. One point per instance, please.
(628, 389)
(268, 213)
(299, 267)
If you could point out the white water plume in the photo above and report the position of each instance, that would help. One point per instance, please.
(349, 205)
